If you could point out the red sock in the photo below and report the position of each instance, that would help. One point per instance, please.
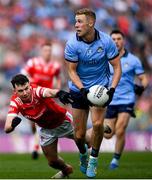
(36, 147)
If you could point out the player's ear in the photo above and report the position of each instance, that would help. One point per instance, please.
(91, 22)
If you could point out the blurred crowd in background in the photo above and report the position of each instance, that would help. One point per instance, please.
(26, 24)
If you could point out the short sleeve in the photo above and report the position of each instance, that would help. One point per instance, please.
(40, 91)
(112, 50)
(138, 67)
(70, 52)
(13, 108)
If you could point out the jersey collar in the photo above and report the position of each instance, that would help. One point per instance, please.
(97, 37)
(125, 54)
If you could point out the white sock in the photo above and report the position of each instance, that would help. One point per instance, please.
(91, 157)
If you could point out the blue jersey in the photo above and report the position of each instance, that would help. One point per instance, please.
(92, 58)
(131, 66)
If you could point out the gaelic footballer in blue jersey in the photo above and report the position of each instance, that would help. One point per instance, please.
(122, 106)
(88, 54)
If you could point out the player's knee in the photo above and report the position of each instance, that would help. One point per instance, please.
(79, 140)
(97, 127)
(79, 136)
(109, 135)
(120, 132)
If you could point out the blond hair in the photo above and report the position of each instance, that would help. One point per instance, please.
(86, 11)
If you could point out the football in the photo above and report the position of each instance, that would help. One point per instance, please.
(98, 95)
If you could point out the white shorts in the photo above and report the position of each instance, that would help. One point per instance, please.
(48, 136)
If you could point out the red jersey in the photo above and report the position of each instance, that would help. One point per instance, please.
(42, 73)
(43, 111)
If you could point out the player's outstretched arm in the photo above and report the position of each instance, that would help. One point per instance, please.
(11, 123)
(50, 93)
(63, 96)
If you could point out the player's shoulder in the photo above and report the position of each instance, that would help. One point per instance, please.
(105, 38)
(14, 97)
(33, 60)
(15, 100)
(36, 89)
(73, 39)
(104, 35)
(133, 57)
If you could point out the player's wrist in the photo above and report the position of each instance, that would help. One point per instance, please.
(64, 97)
(15, 122)
(84, 91)
(59, 92)
(112, 90)
(139, 89)
(110, 93)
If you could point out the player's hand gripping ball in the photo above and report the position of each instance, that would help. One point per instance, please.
(98, 95)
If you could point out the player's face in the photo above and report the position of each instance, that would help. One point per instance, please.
(119, 40)
(82, 25)
(24, 91)
(46, 52)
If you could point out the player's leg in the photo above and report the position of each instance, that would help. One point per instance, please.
(80, 121)
(107, 131)
(80, 111)
(97, 116)
(124, 113)
(110, 120)
(88, 137)
(120, 129)
(56, 162)
(48, 142)
(36, 147)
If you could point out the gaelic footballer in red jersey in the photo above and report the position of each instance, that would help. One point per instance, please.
(42, 70)
(36, 104)
(44, 112)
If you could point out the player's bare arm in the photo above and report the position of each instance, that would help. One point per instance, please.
(63, 96)
(76, 80)
(117, 71)
(139, 89)
(50, 93)
(144, 80)
(73, 74)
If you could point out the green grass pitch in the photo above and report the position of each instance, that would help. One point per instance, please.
(133, 165)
